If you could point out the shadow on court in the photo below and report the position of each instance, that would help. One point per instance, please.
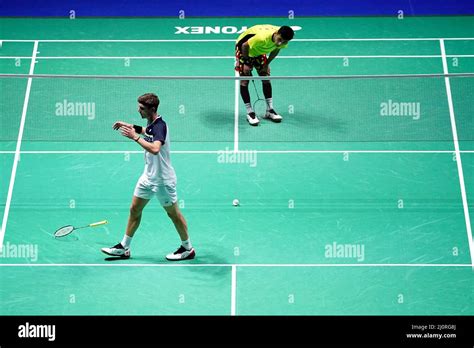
(317, 122)
(217, 118)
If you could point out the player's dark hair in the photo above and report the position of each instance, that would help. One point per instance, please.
(150, 100)
(286, 33)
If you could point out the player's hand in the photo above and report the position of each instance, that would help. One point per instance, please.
(120, 124)
(247, 69)
(128, 131)
(266, 68)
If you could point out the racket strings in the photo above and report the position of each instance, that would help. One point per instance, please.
(260, 105)
(63, 231)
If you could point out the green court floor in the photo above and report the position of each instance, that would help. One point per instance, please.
(346, 209)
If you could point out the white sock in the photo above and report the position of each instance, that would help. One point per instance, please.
(269, 103)
(248, 106)
(186, 244)
(126, 241)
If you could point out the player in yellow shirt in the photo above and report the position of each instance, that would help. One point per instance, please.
(251, 51)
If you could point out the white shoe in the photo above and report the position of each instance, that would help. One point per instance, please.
(252, 119)
(273, 115)
(118, 251)
(181, 254)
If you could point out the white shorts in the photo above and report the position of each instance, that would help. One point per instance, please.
(166, 194)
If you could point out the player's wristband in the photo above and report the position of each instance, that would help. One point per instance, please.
(138, 129)
(138, 138)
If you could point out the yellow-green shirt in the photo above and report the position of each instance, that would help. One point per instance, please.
(261, 43)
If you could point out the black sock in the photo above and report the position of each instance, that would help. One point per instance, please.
(267, 89)
(244, 92)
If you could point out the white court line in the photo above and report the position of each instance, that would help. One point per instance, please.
(122, 40)
(228, 77)
(458, 154)
(232, 57)
(105, 152)
(233, 40)
(387, 39)
(235, 265)
(119, 57)
(233, 290)
(236, 113)
(17, 150)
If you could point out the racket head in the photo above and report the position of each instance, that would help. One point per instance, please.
(63, 231)
(260, 107)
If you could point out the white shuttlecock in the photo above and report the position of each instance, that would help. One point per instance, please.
(235, 202)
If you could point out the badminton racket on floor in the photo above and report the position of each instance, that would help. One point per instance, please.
(260, 105)
(65, 230)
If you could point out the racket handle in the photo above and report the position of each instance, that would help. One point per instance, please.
(104, 222)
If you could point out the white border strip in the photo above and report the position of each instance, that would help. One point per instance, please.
(27, 265)
(17, 150)
(458, 154)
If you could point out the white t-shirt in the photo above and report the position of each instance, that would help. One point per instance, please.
(158, 168)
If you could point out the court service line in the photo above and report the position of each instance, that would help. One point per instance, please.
(458, 154)
(27, 265)
(218, 152)
(18, 146)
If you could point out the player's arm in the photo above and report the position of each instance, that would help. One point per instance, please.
(119, 124)
(245, 59)
(153, 147)
(244, 54)
(272, 55)
(245, 50)
(129, 132)
(139, 129)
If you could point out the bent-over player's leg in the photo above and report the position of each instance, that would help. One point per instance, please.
(267, 92)
(244, 89)
(245, 94)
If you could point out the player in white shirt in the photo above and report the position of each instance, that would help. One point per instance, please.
(158, 179)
